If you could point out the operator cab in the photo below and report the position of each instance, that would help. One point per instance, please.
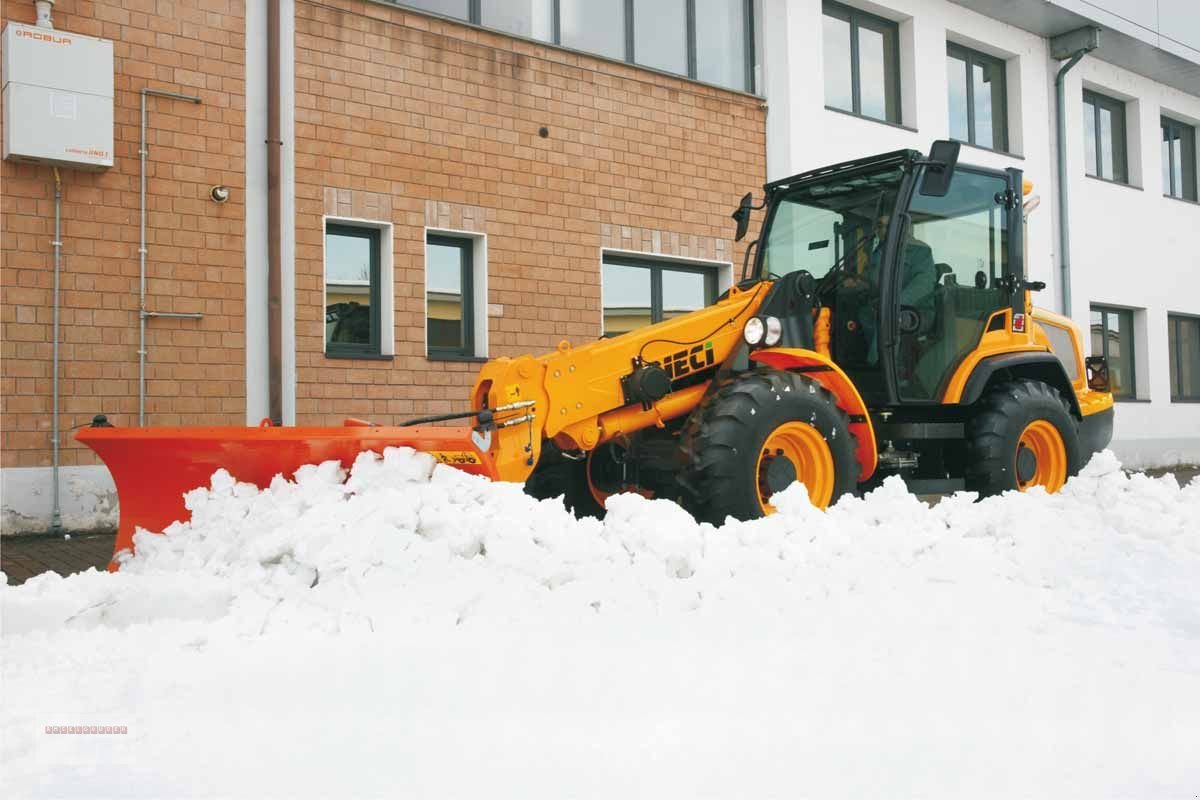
(943, 256)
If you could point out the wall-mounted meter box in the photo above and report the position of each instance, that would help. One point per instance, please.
(58, 97)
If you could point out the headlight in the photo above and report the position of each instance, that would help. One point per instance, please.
(754, 331)
(774, 332)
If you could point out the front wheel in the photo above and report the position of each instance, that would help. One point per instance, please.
(758, 434)
(1022, 435)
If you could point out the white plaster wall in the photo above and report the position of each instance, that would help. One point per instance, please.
(1128, 247)
(1133, 248)
(87, 496)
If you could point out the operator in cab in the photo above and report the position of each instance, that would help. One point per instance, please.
(918, 281)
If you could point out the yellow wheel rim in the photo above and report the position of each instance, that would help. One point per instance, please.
(1041, 458)
(805, 453)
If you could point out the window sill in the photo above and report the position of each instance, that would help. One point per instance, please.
(456, 357)
(1111, 182)
(1195, 400)
(993, 150)
(1181, 200)
(1131, 400)
(359, 356)
(870, 119)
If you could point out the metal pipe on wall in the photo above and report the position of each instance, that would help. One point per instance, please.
(143, 314)
(1072, 46)
(274, 220)
(56, 512)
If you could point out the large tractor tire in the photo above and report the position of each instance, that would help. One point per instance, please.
(1022, 435)
(757, 434)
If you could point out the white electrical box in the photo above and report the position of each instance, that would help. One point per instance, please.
(58, 97)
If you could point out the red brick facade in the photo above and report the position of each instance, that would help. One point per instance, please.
(399, 118)
(195, 370)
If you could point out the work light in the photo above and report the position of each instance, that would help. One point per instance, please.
(754, 331)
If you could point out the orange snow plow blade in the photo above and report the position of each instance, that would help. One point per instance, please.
(153, 467)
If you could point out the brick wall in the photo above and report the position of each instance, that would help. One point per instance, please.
(399, 118)
(195, 370)
(415, 121)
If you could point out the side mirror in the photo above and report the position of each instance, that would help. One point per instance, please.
(939, 169)
(742, 215)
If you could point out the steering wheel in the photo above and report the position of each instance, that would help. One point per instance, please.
(910, 319)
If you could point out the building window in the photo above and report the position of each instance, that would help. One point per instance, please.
(862, 63)
(707, 40)
(352, 290)
(1112, 337)
(978, 99)
(1178, 159)
(640, 292)
(1104, 137)
(533, 19)
(449, 297)
(597, 26)
(660, 35)
(1183, 338)
(458, 9)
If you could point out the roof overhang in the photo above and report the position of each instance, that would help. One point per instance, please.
(1123, 42)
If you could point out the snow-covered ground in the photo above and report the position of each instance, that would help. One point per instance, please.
(417, 632)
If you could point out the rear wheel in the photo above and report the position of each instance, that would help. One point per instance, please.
(758, 434)
(1022, 435)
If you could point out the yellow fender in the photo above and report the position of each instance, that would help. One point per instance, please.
(832, 377)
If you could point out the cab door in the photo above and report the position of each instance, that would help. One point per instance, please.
(953, 266)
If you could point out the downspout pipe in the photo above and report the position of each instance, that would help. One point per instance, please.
(56, 511)
(1070, 46)
(274, 219)
(143, 313)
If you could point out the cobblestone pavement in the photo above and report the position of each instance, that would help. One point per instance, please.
(22, 557)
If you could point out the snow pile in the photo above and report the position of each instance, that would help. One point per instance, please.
(412, 630)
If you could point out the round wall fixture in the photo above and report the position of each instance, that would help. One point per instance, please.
(543, 132)
(219, 194)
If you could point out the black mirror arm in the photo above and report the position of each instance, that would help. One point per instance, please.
(1011, 285)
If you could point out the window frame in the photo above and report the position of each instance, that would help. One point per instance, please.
(656, 266)
(970, 58)
(852, 16)
(466, 246)
(475, 17)
(1127, 320)
(1099, 102)
(1176, 355)
(1187, 135)
(374, 347)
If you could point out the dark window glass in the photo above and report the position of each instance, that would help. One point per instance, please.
(641, 292)
(721, 46)
(1178, 159)
(978, 98)
(459, 9)
(862, 63)
(531, 18)
(1183, 339)
(660, 34)
(1104, 137)
(351, 290)
(448, 297)
(1112, 337)
(597, 26)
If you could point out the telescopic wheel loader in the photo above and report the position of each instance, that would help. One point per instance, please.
(882, 326)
